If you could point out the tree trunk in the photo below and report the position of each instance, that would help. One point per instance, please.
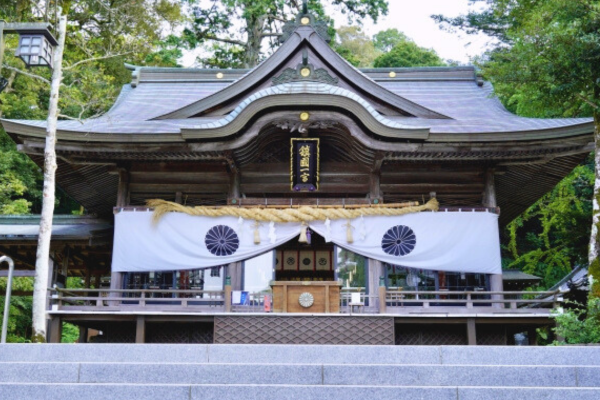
(40, 288)
(594, 249)
(255, 27)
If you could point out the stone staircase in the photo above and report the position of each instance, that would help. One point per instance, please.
(221, 372)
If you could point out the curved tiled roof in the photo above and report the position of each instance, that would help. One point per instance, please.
(472, 108)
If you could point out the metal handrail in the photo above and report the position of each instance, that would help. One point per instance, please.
(11, 270)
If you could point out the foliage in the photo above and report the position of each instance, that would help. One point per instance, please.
(580, 324)
(594, 273)
(101, 34)
(546, 63)
(70, 333)
(385, 41)
(19, 321)
(552, 235)
(254, 25)
(554, 43)
(407, 53)
(355, 46)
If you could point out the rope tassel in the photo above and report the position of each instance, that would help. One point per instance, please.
(349, 237)
(256, 232)
(303, 238)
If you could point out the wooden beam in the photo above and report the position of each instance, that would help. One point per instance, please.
(184, 188)
(19, 273)
(17, 293)
(179, 166)
(283, 170)
(426, 188)
(189, 177)
(324, 187)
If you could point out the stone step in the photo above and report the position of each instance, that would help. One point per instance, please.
(270, 392)
(301, 374)
(304, 354)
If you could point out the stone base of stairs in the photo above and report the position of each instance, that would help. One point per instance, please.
(186, 372)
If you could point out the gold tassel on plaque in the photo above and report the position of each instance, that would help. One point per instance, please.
(303, 238)
(349, 237)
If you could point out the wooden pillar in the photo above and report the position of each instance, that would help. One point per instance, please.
(471, 332)
(64, 267)
(116, 278)
(234, 270)
(179, 197)
(227, 294)
(375, 177)
(234, 179)
(489, 200)
(532, 336)
(83, 334)
(234, 185)
(50, 276)
(88, 277)
(382, 299)
(375, 270)
(123, 188)
(55, 329)
(489, 195)
(375, 192)
(140, 329)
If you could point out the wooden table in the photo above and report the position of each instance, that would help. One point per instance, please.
(286, 296)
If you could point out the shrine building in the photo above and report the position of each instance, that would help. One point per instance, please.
(302, 201)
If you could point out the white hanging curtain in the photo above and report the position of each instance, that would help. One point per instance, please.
(442, 241)
(182, 242)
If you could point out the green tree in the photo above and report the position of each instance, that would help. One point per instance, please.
(355, 46)
(385, 41)
(102, 35)
(407, 53)
(546, 63)
(102, 31)
(552, 235)
(261, 22)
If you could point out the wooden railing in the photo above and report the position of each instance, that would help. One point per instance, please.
(387, 301)
(129, 299)
(507, 300)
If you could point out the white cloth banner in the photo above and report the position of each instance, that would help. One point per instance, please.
(442, 241)
(183, 242)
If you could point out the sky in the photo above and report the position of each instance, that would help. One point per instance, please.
(413, 18)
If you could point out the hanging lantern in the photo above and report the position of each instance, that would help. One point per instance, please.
(35, 48)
